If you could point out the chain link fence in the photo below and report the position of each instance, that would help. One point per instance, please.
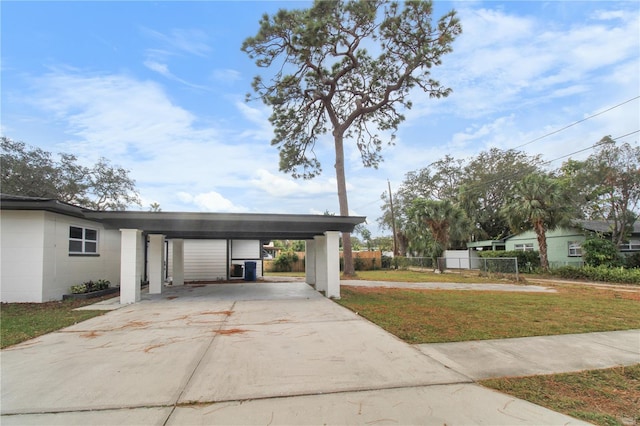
(487, 266)
(420, 263)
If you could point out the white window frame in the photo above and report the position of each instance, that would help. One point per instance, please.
(523, 247)
(86, 241)
(633, 245)
(575, 249)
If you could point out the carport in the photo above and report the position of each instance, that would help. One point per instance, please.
(321, 234)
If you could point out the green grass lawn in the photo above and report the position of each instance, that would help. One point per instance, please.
(422, 316)
(417, 276)
(604, 397)
(23, 321)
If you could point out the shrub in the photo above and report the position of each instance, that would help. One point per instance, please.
(285, 260)
(386, 262)
(632, 261)
(358, 264)
(528, 261)
(598, 251)
(90, 286)
(599, 273)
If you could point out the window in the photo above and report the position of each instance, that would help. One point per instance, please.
(633, 245)
(523, 247)
(575, 249)
(83, 240)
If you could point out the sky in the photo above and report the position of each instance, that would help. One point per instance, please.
(158, 87)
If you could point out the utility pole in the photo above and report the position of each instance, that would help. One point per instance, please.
(393, 221)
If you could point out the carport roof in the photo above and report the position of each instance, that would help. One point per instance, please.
(228, 225)
(189, 225)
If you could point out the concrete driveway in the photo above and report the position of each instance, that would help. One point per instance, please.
(263, 353)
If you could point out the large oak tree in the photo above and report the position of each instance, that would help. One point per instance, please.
(346, 68)
(34, 172)
(606, 186)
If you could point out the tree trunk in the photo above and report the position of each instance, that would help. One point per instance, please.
(542, 243)
(343, 202)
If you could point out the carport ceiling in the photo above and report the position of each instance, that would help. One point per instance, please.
(227, 225)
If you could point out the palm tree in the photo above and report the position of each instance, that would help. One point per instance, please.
(538, 204)
(445, 222)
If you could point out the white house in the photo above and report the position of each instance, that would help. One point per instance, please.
(47, 246)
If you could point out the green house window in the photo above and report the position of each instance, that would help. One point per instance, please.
(523, 247)
(633, 245)
(575, 249)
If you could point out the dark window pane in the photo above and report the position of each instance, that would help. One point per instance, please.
(90, 247)
(75, 246)
(91, 234)
(75, 232)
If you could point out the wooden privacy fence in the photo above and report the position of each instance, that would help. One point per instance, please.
(363, 261)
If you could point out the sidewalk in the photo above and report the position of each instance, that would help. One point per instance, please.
(528, 356)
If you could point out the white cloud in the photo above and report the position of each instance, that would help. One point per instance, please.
(604, 15)
(215, 202)
(192, 41)
(115, 112)
(162, 69)
(481, 133)
(281, 185)
(258, 116)
(137, 126)
(502, 58)
(226, 75)
(212, 202)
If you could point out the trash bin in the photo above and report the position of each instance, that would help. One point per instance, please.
(250, 271)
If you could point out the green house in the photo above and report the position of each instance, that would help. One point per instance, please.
(564, 244)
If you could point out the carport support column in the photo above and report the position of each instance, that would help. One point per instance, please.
(328, 263)
(156, 263)
(310, 262)
(320, 243)
(131, 259)
(178, 261)
(333, 264)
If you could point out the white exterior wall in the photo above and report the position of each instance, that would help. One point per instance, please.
(247, 250)
(21, 255)
(36, 265)
(460, 259)
(61, 270)
(204, 260)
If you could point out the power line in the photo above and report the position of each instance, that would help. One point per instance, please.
(555, 132)
(516, 173)
(577, 122)
(590, 147)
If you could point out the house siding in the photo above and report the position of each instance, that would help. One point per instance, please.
(557, 244)
(247, 250)
(63, 270)
(207, 260)
(204, 260)
(36, 265)
(22, 254)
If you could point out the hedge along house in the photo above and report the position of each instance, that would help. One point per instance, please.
(47, 246)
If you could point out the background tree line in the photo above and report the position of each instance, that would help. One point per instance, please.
(501, 192)
(32, 172)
